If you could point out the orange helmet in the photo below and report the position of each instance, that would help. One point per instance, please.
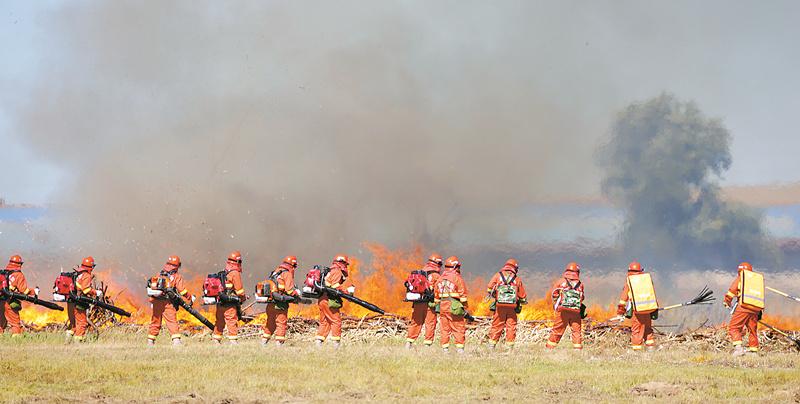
(291, 260)
(573, 267)
(342, 258)
(436, 259)
(635, 266)
(512, 263)
(235, 256)
(452, 262)
(88, 262)
(15, 259)
(174, 260)
(745, 266)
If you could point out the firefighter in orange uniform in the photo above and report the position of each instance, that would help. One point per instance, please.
(567, 297)
(509, 295)
(424, 313)
(744, 316)
(76, 312)
(641, 323)
(450, 293)
(227, 311)
(278, 312)
(330, 319)
(14, 280)
(163, 309)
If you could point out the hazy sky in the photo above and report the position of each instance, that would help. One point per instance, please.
(738, 60)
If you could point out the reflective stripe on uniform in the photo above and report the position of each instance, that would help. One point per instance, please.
(577, 346)
(551, 343)
(335, 338)
(152, 337)
(428, 342)
(650, 342)
(185, 291)
(737, 343)
(623, 302)
(26, 291)
(463, 299)
(730, 294)
(752, 349)
(280, 338)
(460, 346)
(240, 291)
(87, 290)
(410, 340)
(217, 336)
(445, 346)
(233, 337)
(176, 336)
(636, 347)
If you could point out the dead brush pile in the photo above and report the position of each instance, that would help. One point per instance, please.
(370, 329)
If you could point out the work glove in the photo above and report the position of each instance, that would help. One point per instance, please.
(620, 310)
(351, 290)
(36, 291)
(727, 301)
(98, 293)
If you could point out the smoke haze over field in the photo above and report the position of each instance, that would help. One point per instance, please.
(662, 164)
(195, 128)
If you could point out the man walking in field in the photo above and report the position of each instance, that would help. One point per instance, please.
(638, 301)
(13, 279)
(424, 312)
(450, 293)
(567, 297)
(163, 309)
(509, 295)
(748, 289)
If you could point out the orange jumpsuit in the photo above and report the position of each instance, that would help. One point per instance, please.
(745, 316)
(450, 288)
(78, 320)
(226, 314)
(9, 316)
(330, 319)
(423, 313)
(278, 314)
(641, 323)
(566, 318)
(505, 318)
(164, 309)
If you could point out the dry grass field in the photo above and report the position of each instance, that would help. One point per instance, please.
(118, 367)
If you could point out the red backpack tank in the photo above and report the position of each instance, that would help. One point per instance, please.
(417, 286)
(65, 283)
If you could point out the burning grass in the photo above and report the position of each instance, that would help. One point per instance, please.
(41, 368)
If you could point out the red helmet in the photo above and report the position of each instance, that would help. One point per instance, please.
(342, 258)
(174, 260)
(235, 256)
(452, 262)
(88, 262)
(436, 259)
(512, 263)
(15, 259)
(635, 266)
(291, 260)
(573, 267)
(745, 266)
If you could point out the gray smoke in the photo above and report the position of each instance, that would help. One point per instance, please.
(662, 165)
(280, 128)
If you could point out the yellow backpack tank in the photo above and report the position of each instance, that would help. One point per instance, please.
(751, 289)
(642, 293)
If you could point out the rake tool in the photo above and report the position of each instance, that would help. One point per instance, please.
(706, 296)
(784, 294)
(784, 333)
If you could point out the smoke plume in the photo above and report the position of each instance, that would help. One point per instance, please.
(274, 128)
(662, 164)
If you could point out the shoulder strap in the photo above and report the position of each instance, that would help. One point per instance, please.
(275, 274)
(502, 278)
